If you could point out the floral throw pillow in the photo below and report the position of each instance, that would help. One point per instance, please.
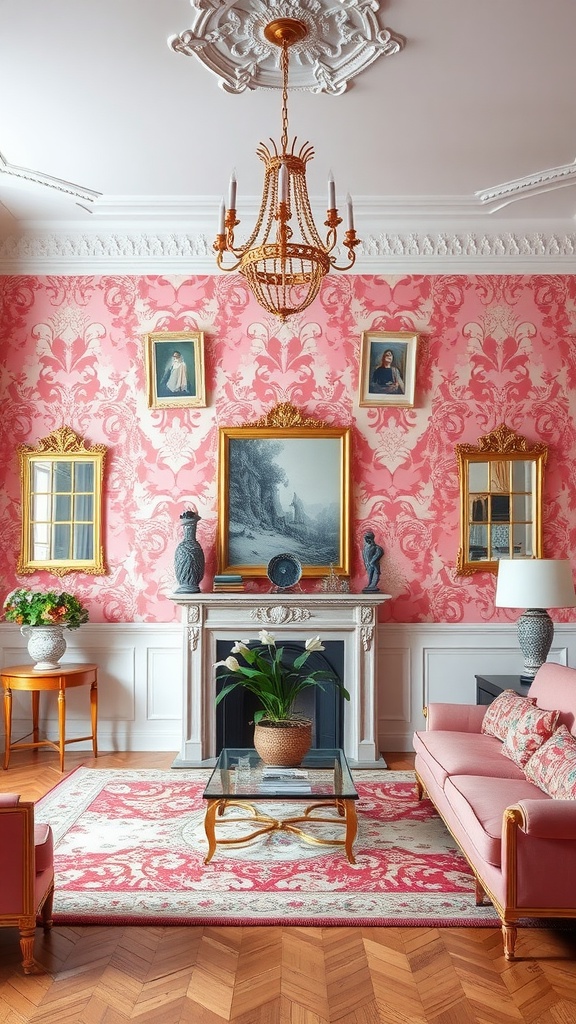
(528, 733)
(553, 767)
(503, 712)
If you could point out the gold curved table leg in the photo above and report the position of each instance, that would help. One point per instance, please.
(209, 828)
(351, 819)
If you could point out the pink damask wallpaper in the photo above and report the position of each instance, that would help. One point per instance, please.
(492, 349)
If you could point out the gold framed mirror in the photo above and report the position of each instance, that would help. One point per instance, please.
(500, 500)
(62, 486)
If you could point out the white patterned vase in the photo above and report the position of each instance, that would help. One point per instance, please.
(46, 645)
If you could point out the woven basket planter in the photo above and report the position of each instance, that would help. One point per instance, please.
(283, 743)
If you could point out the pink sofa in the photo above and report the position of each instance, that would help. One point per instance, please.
(26, 874)
(520, 843)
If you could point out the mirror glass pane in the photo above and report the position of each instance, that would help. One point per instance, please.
(83, 540)
(42, 477)
(83, 506)
(61, 540)
(478, 476)
(522, 535)
(62, 477)
(499, 476)
(522, 508)
(41, 507)
(500, 541)
(522, 475)
(84, 472)
(62, 505)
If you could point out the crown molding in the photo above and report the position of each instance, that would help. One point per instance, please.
(342, 40)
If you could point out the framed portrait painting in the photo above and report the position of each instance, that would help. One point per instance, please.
(284, 488)
(175, 369)
(388, 368)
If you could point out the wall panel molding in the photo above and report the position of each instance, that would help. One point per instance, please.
(141, 671)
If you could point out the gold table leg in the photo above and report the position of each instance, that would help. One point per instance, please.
(94, 716)
(7, 724)
(62, 724)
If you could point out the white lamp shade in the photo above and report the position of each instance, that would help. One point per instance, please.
(535, 583)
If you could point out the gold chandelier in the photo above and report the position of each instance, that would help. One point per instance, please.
(284, 273)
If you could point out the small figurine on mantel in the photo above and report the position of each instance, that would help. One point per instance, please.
(372, 553)
(189, 557)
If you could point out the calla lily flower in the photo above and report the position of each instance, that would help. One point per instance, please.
(314, 644)
(240, 647)
(267, 638)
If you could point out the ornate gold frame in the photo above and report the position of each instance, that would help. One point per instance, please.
(499, 450)
(285, 423)
(193, 344)
(63, 445)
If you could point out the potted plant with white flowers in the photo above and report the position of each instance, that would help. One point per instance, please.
(42, 617)
(281, 735)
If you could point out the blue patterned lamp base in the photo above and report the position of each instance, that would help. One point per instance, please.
(535, 635)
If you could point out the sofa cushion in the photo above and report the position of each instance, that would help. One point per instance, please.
(553, 687)
(463, 753)
(532, 729)
(504, 712)
(553, 766)
(479, 806)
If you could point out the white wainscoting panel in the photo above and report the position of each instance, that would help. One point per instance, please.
(139, 686)
(424, 662)
(164, 684)
(141, 668)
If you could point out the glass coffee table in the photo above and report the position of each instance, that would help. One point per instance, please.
(240, 778)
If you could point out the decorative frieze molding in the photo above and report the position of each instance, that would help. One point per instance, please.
(389, 251)
(280, 615)
(342, 40)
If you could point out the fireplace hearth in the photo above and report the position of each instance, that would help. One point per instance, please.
(324, 705)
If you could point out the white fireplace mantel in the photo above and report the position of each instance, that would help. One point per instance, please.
(207, 618)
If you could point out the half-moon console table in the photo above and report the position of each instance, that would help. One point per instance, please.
(26, 677)
(351, 618)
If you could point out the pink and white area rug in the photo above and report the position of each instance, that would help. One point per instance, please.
(130, 848)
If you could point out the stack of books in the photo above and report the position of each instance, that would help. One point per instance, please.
(228, 582)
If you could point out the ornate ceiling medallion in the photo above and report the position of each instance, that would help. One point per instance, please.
(341, 40)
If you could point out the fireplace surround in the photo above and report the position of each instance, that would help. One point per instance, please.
(296, 616)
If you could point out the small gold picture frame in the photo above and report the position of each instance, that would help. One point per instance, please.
(175, 369)
(388, 368)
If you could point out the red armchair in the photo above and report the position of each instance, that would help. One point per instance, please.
(26, 874)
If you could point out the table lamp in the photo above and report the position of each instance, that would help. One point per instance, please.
(535, 584)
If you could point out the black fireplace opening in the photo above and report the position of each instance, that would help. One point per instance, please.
(323, 704)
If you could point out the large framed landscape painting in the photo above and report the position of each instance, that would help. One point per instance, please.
(284, 487)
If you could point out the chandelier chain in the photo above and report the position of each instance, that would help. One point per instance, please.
(284, 139)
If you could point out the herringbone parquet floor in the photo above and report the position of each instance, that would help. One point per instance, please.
(277, 975)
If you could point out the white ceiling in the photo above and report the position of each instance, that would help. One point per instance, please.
(481, 94)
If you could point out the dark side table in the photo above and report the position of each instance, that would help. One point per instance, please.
(489, 687)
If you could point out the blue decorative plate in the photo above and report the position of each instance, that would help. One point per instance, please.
(284, 570)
